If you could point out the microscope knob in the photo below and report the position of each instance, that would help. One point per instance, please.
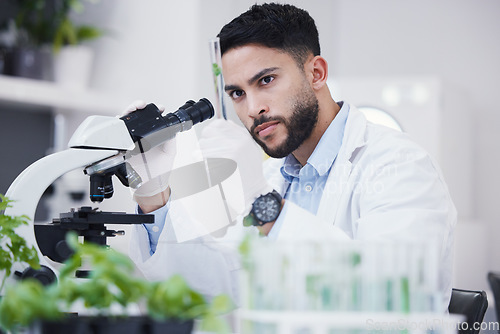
(44, 275)
(63, 250)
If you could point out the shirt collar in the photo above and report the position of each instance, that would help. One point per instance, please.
(325, 152)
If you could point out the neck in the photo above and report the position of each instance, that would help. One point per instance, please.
(327, 112)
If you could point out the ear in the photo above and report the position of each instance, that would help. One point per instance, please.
(319, 70)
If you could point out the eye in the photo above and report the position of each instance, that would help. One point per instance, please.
(266, 80)
(235, 94)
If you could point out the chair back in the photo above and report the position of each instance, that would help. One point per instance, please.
(471, 304)
(494, 280)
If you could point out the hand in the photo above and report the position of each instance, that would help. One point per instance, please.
(140, 104)
(225, 139)
(153, 167)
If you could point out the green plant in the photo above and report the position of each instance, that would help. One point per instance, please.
(69, 34)
(41, 22)
(174, 299)
(25, 302)
(110, 282)
(13, 247)
(35, 22)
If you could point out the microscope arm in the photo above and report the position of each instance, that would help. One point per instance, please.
(28, 187)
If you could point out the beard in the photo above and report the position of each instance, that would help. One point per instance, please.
(299, 125)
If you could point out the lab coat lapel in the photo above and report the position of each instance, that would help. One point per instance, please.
(338, 180)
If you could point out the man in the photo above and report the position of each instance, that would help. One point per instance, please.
(334, 174)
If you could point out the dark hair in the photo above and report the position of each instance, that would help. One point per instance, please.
(279, 26)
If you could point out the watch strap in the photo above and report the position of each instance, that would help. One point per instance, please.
(251, 220)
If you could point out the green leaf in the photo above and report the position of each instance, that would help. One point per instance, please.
(213, 324)
(216, 69)
(13, 247)
(221, 304)
(86, 33)
(5, 203)
(245, 246)
(26, 302)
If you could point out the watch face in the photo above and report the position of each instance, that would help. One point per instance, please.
(266, 208)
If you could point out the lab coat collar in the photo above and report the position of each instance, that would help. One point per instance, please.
(356, 134)
(352, 142)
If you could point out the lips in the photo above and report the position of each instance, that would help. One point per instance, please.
(265, 129)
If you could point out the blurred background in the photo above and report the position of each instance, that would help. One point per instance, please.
(433, 65)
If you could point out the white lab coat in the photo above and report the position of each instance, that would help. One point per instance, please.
(382, 186)
(209, 265)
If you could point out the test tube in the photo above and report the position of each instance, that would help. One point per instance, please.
(216, 63)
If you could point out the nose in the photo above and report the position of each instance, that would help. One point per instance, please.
(256, 107)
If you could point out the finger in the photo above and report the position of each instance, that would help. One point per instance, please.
(160, 107)
(137, 104)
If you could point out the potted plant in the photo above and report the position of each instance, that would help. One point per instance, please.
(27, 36)
(72, 58)
(24, 302)
(13, 247)
(106, 295)
(40, 29)
(173, 304)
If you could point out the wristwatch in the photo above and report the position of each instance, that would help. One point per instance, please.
(265, 209)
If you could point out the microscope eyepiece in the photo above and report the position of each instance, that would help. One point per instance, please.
(141, 123)
(191, 111)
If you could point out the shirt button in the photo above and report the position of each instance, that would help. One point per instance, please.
(308, 188)
(156, 229)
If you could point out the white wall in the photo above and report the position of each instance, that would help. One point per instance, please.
(457, 41)
(150, 51)
(158, 51)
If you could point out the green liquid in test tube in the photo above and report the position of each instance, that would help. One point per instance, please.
(216, 61)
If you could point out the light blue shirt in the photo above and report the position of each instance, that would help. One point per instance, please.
(154, 230)
(306, 184)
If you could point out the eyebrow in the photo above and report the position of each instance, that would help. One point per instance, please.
(253, 79)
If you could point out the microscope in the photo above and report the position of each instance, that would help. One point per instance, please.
(101, 146)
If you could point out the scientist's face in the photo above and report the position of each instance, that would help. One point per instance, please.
(271, 96)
